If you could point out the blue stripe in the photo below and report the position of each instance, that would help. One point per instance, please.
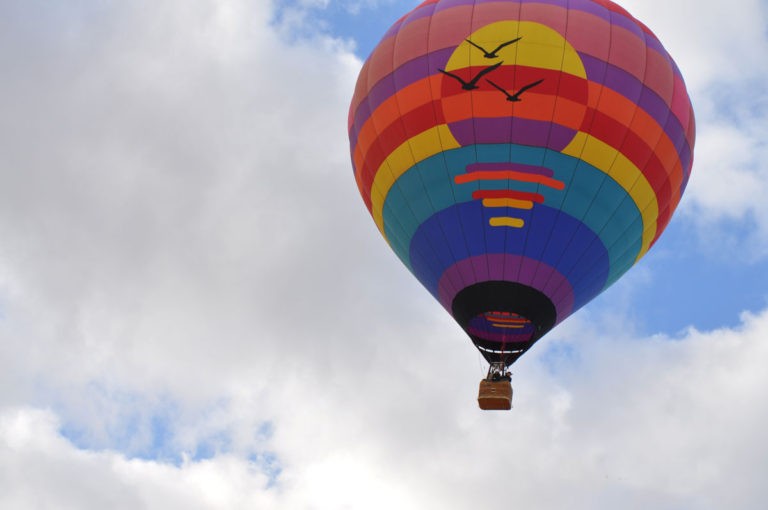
(440, 242)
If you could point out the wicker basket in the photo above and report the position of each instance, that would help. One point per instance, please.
(495, 395)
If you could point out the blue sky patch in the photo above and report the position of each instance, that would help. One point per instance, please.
(362, 21)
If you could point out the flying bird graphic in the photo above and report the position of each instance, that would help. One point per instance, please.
(492, 54)
(516, 96)
(472, 84)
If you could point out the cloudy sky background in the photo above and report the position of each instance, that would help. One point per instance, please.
(196, 311)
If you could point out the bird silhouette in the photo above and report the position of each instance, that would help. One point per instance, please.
(492, 54)
(472, 84)
(516, 96)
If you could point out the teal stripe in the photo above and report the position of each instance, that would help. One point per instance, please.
(590, 195)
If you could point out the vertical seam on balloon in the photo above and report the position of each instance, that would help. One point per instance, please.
(508, 232)
(622, 254)
(396, 217)
(580, 156)
(448, 175)
(483, 217)
(644, 230)
(685, 131)
(413, 155)
(463, 283)
(447, 170)
(375, 189)
(588, 274)
(683, 137)
(654, 147)
(607, 174)
(483, 210)
(619, 270)
(546, 152)
(474, 142)
(638, 179)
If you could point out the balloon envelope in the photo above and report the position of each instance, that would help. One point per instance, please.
(519, 156)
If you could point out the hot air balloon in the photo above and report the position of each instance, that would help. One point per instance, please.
(519, 156)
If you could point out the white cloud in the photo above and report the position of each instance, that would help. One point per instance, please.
(641, 422)
(168, 178)
(720, 48)
(197, 313)
(175, 197)
(711, 41)
(41, 470)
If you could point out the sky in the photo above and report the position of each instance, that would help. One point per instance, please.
(197, 312)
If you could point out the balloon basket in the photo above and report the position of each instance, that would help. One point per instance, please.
(495, 395)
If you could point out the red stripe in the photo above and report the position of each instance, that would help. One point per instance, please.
(513, 77)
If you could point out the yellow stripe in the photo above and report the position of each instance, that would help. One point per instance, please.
(506, 221)
(414, 150)
(505, 326)
(507, 202)
(602, 156)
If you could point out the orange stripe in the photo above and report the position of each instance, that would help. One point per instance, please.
(507, 193)
(509, 321)
(493, 175)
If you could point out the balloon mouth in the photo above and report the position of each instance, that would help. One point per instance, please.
(503, 319)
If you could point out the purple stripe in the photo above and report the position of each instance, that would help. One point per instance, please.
(586, 6)
(505, 267)
(521, 131)
(617, 79)
(499, 337)
(683, 147)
